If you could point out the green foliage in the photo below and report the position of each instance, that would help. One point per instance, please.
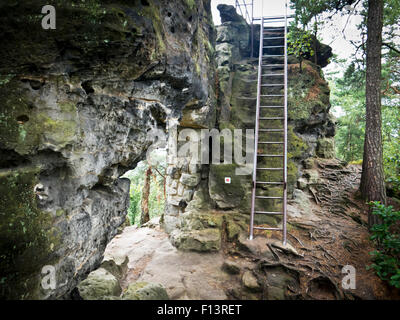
(156, 197)
(306, 10)
(386, 237)
(348, 98)
(392, 166)
(134, 206)
(300, 43)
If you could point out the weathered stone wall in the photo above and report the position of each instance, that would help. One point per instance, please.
(311, 126)
(219, 209)
(76, 104)
(75, 107)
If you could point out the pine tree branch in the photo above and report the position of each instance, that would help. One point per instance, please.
(391, 47)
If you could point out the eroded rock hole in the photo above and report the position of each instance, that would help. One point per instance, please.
(22, 119)
(87, 86)
(147, 188)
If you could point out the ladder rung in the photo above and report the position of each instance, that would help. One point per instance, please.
(275, 21)
(271, 130)
(272, 183)
(264, 197)
(278, 69)
(275, 17)
(270, 142)
(269, 213)
(273, 38)
(269, 29)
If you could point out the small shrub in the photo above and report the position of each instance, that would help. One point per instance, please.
(386, 237)
(392, 168)
(300, 44)
(134, 206)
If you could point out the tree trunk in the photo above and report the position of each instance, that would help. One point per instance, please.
(372, 179)
(145, 216)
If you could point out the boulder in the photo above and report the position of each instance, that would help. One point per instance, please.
(288, 248)
(190, 180)
(145, 291)
(205, 240)
(231, 267)
(250, 281)
(116, 265)
(99, 285)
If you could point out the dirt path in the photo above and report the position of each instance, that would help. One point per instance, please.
(339, 238)
(152, 258)
(329, 235)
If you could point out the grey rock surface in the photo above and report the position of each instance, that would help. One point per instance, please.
(145, 291)
(77, 104)
(99, 285)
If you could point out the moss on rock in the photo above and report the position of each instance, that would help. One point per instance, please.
(205, 240)
(145, 291)
(23, 128)
(326, 148)
(28, 240)
(308, 92)
(228, 195)
(99, 285)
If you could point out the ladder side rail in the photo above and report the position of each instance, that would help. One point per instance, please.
(245, 14)
(260, 62)
(240, 8)
(252, 29)
(285, 160)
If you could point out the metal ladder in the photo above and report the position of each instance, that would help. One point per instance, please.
(271, 99)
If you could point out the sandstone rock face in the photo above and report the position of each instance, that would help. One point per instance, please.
(231, 267)
(204, 240)
(76, 104)
(145, 291)
(99, 285)
(311, 126)
(250, 281)
(311, 129)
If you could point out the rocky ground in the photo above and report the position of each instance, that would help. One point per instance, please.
(327, 230)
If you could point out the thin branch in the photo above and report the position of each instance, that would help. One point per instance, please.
(159, 172)
(391, 47)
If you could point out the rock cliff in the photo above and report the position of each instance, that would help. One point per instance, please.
(198, 226)
(76, 104)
